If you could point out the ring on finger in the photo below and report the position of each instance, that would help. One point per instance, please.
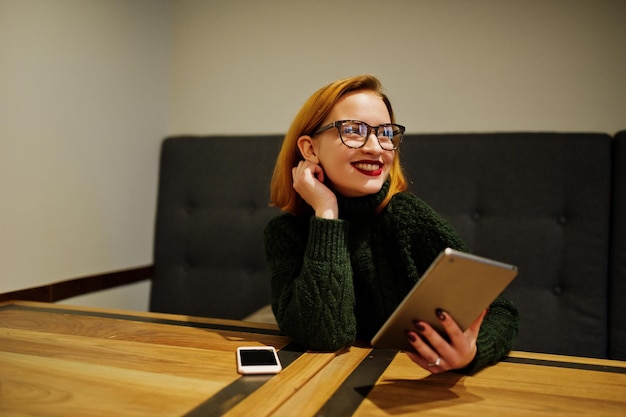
(437, 362)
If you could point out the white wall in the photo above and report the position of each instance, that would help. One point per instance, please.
(83, 106)
(246, 66)
(88, 88)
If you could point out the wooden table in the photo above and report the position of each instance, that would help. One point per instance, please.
(66, 361)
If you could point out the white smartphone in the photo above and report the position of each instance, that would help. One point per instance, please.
(255, 360)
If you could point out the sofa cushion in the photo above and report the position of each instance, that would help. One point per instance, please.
(213, 203)
(537, 200)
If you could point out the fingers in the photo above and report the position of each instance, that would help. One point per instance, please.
(306, 177)
(308, 181)
(425, 355)
(450, 326)
(305, 171)
(431, 349)
(437, 353)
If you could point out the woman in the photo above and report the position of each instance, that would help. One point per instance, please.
(353, 242)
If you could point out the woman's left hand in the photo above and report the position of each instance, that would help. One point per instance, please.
(436, 354)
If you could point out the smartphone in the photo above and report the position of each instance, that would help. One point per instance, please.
(255, 360)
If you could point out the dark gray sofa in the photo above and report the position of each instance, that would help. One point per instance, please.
(547, 202)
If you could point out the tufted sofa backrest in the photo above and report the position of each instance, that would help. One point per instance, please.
(617, 293)
(540, 201)
(213, 202)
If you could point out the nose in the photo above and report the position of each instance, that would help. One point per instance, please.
(372, 145)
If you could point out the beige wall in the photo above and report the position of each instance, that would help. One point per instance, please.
(448, 65)
(88, 88)
(83, 104)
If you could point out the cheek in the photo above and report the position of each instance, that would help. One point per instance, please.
(332, 167)
(332, 158)
(388, 159)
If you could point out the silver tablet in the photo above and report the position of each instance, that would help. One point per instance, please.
(462, 284)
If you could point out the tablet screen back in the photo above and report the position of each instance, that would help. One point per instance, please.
(461, 284)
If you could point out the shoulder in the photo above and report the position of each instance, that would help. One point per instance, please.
(285, 225)
(410, 215)
(284, 218)
(410, 205)
(406, 197)
(284, 221)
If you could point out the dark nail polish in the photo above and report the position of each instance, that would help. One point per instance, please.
(440, 314)
(410, 335)
(418, 326)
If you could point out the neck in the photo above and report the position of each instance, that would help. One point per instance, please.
(361, 206)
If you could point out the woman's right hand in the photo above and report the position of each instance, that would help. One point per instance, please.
(308, 181)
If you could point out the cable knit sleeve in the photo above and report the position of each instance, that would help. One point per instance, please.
(312, 291)
(497, 335)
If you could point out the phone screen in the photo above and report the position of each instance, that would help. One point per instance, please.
(258, 360)
(257, 357)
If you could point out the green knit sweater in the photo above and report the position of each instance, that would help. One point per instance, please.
(336, 281)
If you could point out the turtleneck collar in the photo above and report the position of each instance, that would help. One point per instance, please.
(350, 207)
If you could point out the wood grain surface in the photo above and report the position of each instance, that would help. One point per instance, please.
(507, 389)
(71, 361)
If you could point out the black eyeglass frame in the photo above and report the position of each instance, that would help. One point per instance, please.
(370, 129)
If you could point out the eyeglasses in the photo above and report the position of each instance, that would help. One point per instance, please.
(354, 133)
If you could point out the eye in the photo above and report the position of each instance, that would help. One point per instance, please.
(386, 132)
(351, 130)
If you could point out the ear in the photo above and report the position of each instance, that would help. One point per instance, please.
(306, 146)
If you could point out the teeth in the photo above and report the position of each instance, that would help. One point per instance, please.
(367, 167)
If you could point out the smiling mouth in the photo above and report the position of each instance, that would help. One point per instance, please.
(369, 168)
